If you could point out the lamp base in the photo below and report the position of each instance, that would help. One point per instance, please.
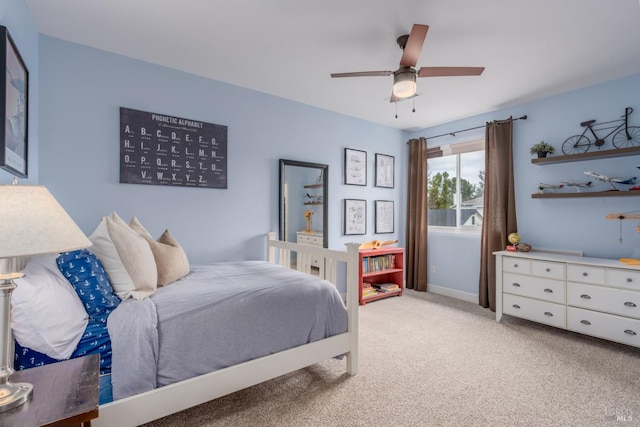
(14, 395)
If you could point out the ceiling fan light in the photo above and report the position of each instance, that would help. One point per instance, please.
(404, 83)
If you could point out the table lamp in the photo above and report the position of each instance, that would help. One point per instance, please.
(32, 222)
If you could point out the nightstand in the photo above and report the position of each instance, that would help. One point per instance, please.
(65, 394)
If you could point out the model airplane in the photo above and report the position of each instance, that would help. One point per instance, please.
(542, 186)
(578, 186)
(610, 180)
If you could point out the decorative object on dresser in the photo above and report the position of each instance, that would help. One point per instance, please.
(355, 167)
(381, 273)
(593, 296)
(14, 101)
(32, 223)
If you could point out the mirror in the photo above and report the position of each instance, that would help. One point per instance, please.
(303, 202)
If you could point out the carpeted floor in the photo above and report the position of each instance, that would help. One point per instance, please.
(429, 360)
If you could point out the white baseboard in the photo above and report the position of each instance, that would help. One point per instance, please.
(453, 293)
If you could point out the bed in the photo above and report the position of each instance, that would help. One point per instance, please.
(164, 337)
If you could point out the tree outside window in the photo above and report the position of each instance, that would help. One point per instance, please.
(456, 189)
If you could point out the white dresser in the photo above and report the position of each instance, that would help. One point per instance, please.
(315, 239)
(592, 296)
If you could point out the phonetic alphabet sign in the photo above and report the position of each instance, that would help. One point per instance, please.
(157, 149)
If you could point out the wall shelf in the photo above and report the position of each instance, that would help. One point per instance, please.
(586, 194)
(599, 154)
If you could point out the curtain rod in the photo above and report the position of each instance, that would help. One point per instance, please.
(464, 130)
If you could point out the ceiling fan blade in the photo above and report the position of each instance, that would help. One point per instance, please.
(394, 98)
(449, 71)
(363, 74)
(414, 45)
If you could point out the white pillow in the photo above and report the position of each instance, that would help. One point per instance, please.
(46, 314)
(126, 257)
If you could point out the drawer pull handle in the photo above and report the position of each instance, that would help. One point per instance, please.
(547, 270)
(516, 306)
(630, 304)
(549, 291)
(515, 265)
(629, 280)
(585, 274)
(630, 332)
(585, 296)
(546, 313)
(516, 284)
(585, 322)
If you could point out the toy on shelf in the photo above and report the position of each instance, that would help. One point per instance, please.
(376, 244)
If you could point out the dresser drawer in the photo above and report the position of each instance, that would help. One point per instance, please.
(586, 274)
(534, 287)
(550, 270)
(310, 239)
(601, 325)
(538, 311)
(620, 278)
(601, 298)
(516, 265)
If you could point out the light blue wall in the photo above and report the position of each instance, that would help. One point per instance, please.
(81, 92)
(15, 15)
(565, 224)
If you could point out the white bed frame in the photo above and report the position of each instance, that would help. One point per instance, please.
(163, 401)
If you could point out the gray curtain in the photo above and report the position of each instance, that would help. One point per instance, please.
(417, 214)
(499, 218)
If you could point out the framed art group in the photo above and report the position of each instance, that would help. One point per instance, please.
(355, 216)
(14, 96)
(355, 168)
(355, 210)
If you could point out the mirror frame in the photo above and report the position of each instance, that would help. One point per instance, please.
(325, 196)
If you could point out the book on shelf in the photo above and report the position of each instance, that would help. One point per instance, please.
(378, 263)
(386, 287)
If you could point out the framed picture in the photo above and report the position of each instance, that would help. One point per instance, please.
(384, 216)
(384, 170)
(355, 216)
(355, 167)
(14, 96)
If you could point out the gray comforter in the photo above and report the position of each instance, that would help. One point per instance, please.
(218, 316)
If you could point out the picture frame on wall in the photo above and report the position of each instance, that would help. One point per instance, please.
(14, 98)
(385, 170)
(355, 167)
(355, 216)
(384, 211)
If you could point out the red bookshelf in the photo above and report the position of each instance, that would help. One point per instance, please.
(378, 267)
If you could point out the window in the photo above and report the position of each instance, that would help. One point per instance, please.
(456, 185)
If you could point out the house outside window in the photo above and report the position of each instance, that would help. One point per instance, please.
(456, 185)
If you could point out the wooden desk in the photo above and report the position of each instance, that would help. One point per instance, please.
(65, 394)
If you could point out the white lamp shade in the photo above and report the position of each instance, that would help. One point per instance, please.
(32, 222)
(404, 83)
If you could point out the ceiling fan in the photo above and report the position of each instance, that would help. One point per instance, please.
(404, 78)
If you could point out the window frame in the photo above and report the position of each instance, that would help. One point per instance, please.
(457, 149)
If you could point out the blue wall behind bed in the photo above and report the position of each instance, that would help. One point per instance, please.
(15, 15)
(81, 91)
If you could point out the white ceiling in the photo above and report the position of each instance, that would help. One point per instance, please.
(530, 48)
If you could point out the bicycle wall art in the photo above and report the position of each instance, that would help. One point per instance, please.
(624, 136)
